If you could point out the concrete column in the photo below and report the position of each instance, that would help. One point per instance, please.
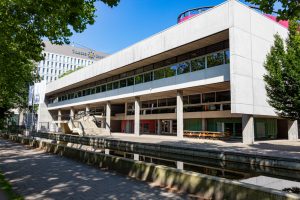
(293, 130)
(59, 118)
(136, 156)
(137, 109)
(107, 117)
(248, 129)
(159, 127)
(72, 113)
(203, 124)
(87, 110)
(179, 164)
(179, 112)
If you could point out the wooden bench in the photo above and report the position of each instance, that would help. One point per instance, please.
(206, 134)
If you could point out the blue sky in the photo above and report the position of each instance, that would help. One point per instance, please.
(133, 20)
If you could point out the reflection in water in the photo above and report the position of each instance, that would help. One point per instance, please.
(219, 168)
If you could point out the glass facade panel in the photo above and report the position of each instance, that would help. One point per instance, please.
(183, 68)
(130, 81)
(223, 96)
(171, 102)
(116, 85)
(139, 79)
(148, 77)
(98, 89)
(159, 74)
(208, 97)
(215, 59)
(109, 86)
(195, 99)
(171, 71)
(103, 88)
(123, 83)
(198, 64)
(227, 56)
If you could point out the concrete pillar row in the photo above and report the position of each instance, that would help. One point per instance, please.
(137, 108)
(179, 113)
(293, 130)
(248, 129)
(107, 117)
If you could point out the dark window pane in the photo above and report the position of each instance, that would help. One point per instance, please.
(223, 96)
(116, 85)
(83, 93)
(123, 75)
(98, 89)
(139, 79)
(215, 59)
(79, 94)
(171, 102)
(194, 99)
(159, 74)
(88, 92)
(171, 71)
(227, 57)
(198, 64)
(183, 68)
(185, 100)
(153, 103)
(208, 97)
(162, 102)
(148, 77)
(145, 104)
(138, 71)
(130, 81)
(93, 90)
(103, 88)
(122, 83)
(226, 107)
(109, 86)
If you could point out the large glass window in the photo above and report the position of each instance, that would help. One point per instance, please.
(148, 77)
(79, 94)
(227, 56)
(162, 102)
(223, 96)
(109, 86)
(198, 64)
(194, 99)
(98, 89)
(122, 83)
(183, 68)
(215, 59)
(171, 102)
(88, 92)
(103, 88)
(208, 97)
(93, 90)
(159, 74)
(139, 79)
(116, 85)
(171, 71)
(130, 81)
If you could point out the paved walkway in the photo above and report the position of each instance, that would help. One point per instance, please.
(38, 175)
(276, 148)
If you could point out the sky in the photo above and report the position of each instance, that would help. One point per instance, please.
(132, 21)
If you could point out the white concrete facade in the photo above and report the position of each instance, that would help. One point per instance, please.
(250, 36)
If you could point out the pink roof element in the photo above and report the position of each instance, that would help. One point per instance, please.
(284, 23)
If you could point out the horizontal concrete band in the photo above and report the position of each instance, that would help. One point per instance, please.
(203, 185)
(175, 152)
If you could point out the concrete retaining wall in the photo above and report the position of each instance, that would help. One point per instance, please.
(203, 185)
(175, 152)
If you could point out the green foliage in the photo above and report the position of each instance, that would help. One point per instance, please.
(283, 74)
(23, 26)
(288, 9)
(69, 72)
(7, 188)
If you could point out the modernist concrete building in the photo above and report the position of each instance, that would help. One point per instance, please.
(204, 74)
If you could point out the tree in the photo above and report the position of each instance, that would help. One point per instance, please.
(24, 25)
(289, 9)
(283, 74)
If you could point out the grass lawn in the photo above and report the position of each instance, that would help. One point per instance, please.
(6, 187)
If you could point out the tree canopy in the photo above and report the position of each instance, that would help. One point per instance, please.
(24, 25)
(288, 9)
(283, 74)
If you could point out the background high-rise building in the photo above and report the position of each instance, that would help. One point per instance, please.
(62, 58)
